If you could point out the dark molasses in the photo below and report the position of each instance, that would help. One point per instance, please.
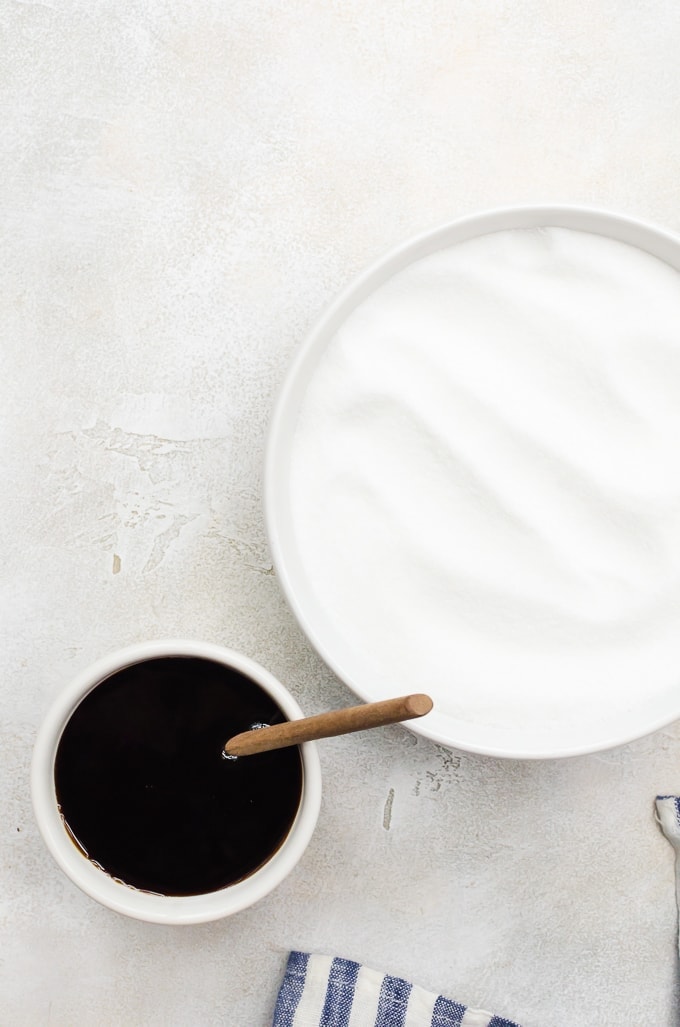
(143, 787)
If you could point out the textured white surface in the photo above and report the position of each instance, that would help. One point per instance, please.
(183, 187)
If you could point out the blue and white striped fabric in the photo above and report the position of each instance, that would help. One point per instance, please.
(323, 991)
(668, 814)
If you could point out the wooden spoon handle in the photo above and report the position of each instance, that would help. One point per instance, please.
(326, 725)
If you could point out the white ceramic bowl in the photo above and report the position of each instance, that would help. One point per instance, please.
(142, 905)
(630, 718)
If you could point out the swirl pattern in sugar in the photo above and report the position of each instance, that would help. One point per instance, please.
(485, 477)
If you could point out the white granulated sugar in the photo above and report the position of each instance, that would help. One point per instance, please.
(485, 477)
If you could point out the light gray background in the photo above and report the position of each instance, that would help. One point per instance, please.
(183, 187)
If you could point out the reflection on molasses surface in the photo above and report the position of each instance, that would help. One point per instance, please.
(144, 791)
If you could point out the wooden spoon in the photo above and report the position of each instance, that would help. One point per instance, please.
(326, 725)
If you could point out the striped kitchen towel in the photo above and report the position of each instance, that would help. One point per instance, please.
(322, 991)
(668, 815)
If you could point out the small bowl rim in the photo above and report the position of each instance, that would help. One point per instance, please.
(116, 895)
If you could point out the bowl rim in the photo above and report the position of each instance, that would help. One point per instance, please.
(637, 232)
(166, 909)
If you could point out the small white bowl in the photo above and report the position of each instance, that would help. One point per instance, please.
(168, 909)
